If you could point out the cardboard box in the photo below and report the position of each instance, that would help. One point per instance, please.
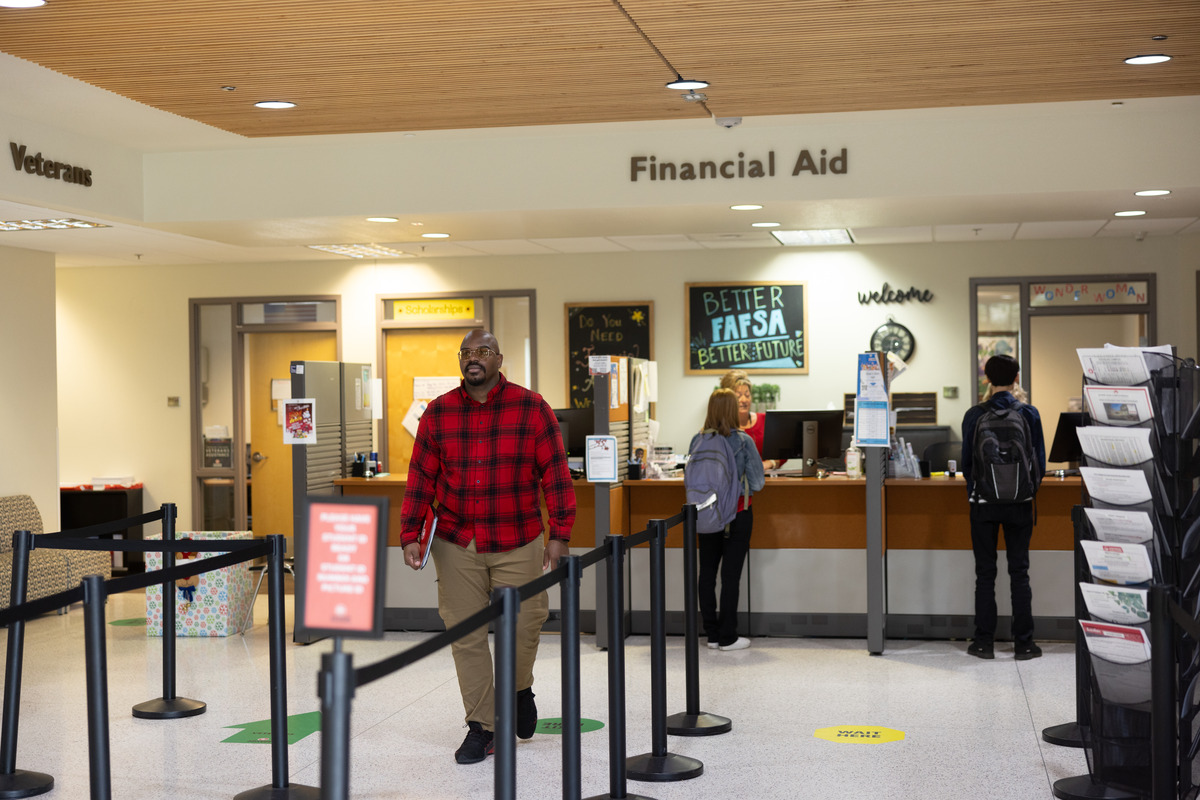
(221, 598)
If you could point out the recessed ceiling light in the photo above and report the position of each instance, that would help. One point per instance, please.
(1156, 58)
(687, 84)
(436, 235)
(1129, 213)
(382, 219)
(21, 3)
(275, 104)
(745, 207)
(1152, 192)
(694, 97)
(814, 237)
(360, 250)
(48, 224)
(764, 224)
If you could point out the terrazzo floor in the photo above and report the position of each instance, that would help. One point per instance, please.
(972, 729)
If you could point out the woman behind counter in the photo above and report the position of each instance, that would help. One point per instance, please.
(751, 422)
(726, 552)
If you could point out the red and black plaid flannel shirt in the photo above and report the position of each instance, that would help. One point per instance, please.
(483, 463)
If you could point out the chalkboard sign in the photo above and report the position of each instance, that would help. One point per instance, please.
(758, 327)
(603, 329)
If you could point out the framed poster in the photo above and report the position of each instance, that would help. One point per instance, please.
(604, 329)
(750, 325)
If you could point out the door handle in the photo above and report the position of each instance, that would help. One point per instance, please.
(257, 457)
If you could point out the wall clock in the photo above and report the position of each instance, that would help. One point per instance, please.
(892, 337)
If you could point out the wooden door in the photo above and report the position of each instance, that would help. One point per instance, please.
(413, 353)
(269, 357)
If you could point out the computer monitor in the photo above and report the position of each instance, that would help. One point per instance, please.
(1065, 446)
(576, 425)
(803, 435)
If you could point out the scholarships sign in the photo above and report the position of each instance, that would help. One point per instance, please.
(342, 561)
(758, 327)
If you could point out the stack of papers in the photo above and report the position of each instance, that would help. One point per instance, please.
(1116, 487)
(1121, 564)
(1117, 447)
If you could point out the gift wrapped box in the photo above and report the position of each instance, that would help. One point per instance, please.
(216, 602)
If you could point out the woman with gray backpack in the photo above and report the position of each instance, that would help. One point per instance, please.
(722, 462)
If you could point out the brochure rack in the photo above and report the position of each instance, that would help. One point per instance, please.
(1138, 535)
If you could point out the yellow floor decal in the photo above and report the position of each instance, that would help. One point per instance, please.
(859, 734)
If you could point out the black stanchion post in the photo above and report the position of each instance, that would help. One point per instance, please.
(335, 685)
(1070, 734)
(616, 673)
(168, 706)
(660, 765)
(572, 754)
(505, 724)
(1074, 734)
(1163, 734)
(693, 721)
(279, 789)
(99, 757)
(17, 782)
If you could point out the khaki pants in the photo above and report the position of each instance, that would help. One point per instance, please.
(465, 582)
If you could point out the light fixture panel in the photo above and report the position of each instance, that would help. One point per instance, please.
(814, 238)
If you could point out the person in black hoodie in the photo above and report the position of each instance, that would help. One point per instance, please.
(1016, 518)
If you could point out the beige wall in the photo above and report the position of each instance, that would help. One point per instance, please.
(28, 401)
(123, 352)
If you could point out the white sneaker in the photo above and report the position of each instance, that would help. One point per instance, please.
(741, 644)
(713, 645)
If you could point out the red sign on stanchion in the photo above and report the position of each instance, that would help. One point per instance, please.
(342, 560)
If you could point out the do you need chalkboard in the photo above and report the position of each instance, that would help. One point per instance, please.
(603, 329)
(758, 327)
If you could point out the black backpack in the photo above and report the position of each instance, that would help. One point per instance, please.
(1002, 457)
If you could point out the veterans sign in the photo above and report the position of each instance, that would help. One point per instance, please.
(758, 327)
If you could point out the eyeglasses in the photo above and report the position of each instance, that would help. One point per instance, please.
(478, 352)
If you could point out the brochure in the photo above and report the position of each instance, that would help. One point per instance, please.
(1125, 606)
(1120, 447)
(1119, 406)
(1114, 525)
(1122, 564)
(1119, 644)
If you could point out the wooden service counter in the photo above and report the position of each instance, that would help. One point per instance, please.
(807, 568)
(812, 513)
(583, 534)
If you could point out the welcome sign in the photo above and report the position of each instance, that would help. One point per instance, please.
(758, 327)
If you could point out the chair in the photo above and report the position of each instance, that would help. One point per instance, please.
(938, 453)
(261, 569)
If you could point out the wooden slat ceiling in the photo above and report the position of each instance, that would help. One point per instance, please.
(366, 66)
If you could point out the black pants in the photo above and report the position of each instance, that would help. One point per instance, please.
(724, 553)
(1017, 521)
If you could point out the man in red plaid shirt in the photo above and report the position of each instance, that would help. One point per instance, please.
(481, 452)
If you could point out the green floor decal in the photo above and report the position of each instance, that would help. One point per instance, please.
(555, 725)
(131, 622)
(299, 726)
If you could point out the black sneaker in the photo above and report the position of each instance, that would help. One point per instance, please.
(981, 649)
(1026, 650)
(477, 746)
(526, 714)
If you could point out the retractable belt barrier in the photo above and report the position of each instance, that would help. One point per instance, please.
(93, 593)
(338, 678)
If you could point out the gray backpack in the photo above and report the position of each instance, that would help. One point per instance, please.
(712, 469)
